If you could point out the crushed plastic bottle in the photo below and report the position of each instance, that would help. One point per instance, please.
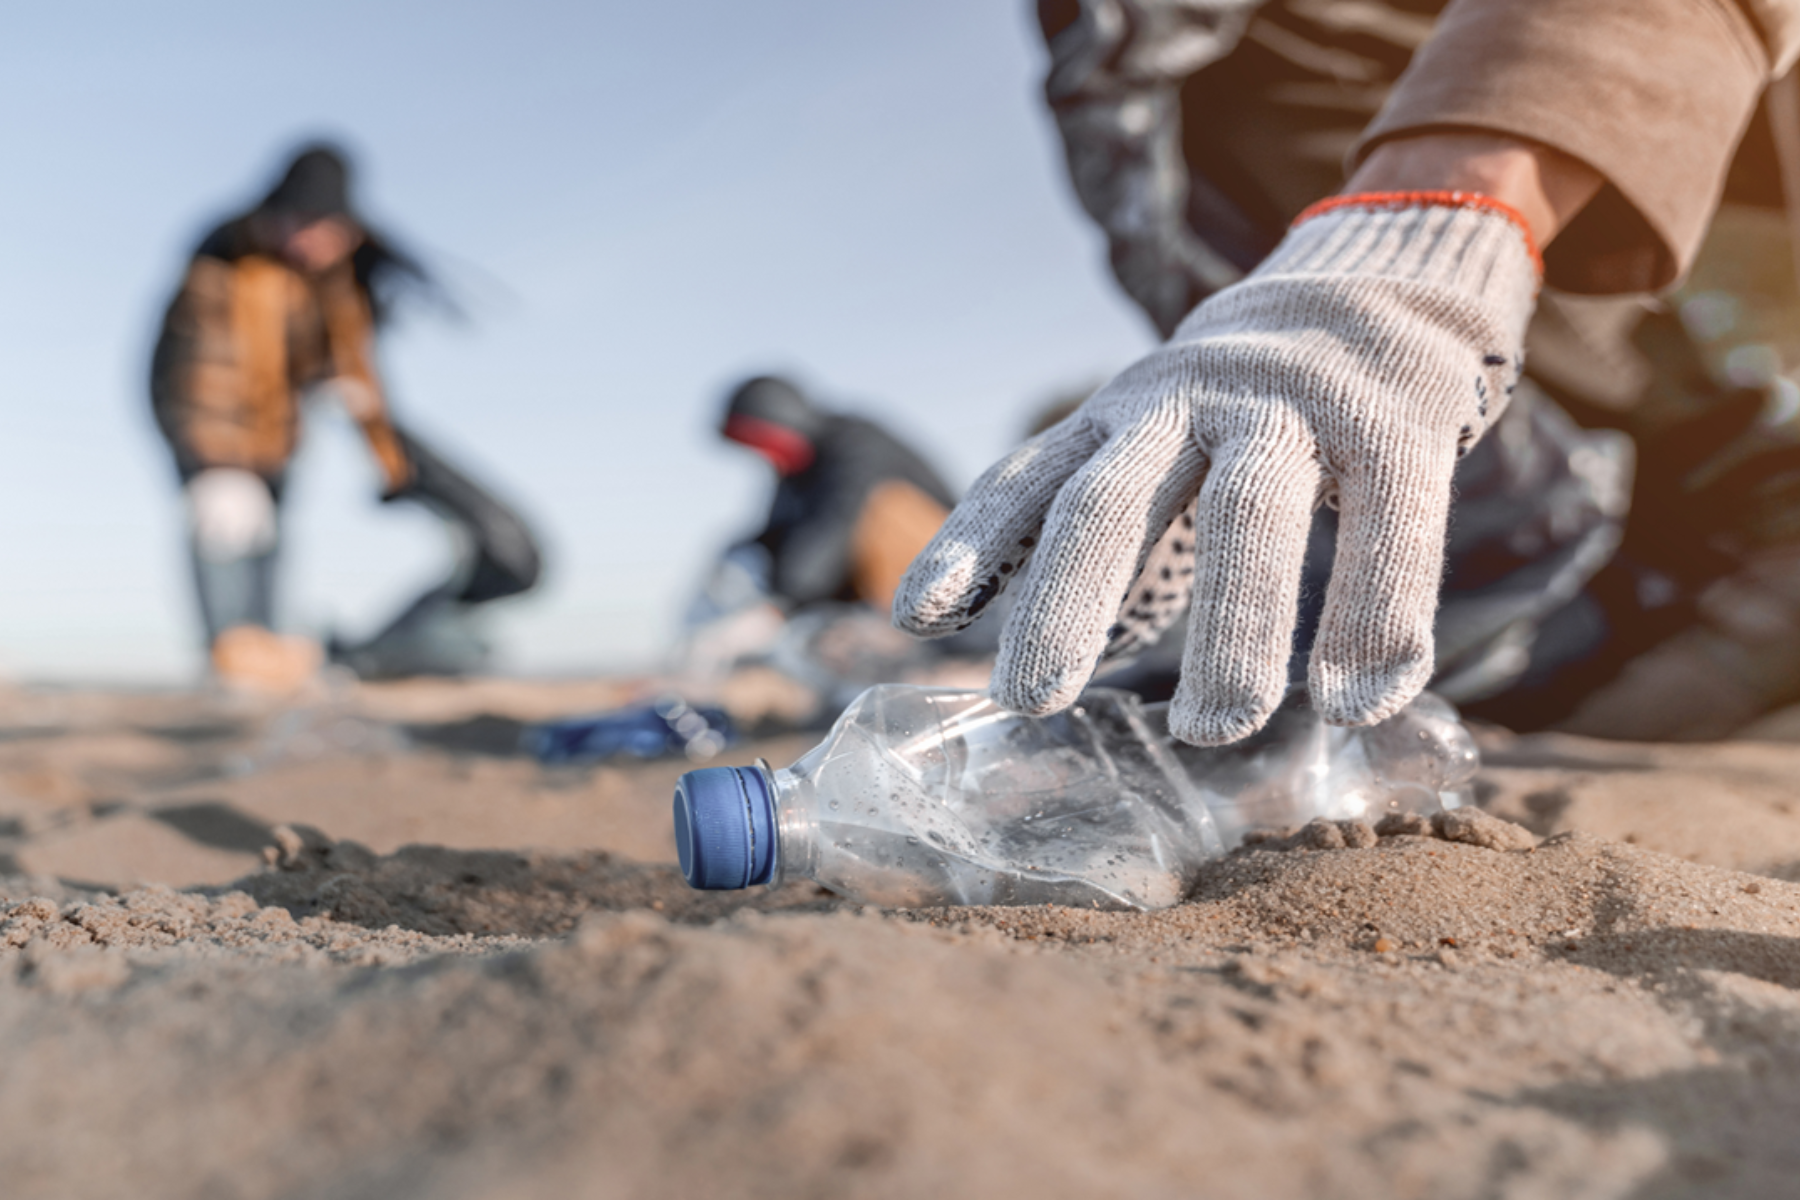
(930, 796)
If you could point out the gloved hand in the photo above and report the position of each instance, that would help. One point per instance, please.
(231, 512)
(1354, 366)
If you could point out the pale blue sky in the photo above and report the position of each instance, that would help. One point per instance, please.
(640, 203)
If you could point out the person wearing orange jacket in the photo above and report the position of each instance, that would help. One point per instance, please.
(277, 302)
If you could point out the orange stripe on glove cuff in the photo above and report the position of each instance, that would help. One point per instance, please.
(1395, 201)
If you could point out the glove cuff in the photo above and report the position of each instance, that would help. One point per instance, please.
(1463, 241)
(1400, 201)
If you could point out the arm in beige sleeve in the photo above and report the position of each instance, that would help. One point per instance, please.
(1651, 95)
(1778, 21)
(1546, 187)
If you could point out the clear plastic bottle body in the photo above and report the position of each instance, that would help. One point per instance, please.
(925, 796)
(1297, 768)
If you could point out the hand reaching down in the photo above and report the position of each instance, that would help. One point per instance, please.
(1376, 344)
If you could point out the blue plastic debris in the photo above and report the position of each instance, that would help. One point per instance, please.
(661, 730)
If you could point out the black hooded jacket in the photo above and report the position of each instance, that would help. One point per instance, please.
(810, 534)
(838, 527)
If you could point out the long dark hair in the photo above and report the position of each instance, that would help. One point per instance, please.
(316, 184)
(388, 275)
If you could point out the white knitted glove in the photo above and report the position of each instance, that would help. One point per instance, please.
(1373, 347)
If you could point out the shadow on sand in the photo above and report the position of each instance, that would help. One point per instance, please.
(436, 890)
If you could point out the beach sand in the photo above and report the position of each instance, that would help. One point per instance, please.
(361, 948)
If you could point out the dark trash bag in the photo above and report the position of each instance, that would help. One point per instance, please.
(496, 557)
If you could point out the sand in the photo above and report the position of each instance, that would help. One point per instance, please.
(361, 949)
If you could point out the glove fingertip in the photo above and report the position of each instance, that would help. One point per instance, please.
(1036, 695)
(1344, 695)
(935, 600)
(921, 625)
(1213, 724)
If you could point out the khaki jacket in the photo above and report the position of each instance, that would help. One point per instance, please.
(1654, 94)
(241, 341)
(1657, 95)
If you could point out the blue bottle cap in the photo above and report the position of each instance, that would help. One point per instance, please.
(725, 828)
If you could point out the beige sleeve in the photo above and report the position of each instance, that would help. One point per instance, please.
(1654, 94)
(1779, 23)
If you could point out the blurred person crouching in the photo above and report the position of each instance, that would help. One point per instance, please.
(278, 302)
(853, 504)
(810, 593)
